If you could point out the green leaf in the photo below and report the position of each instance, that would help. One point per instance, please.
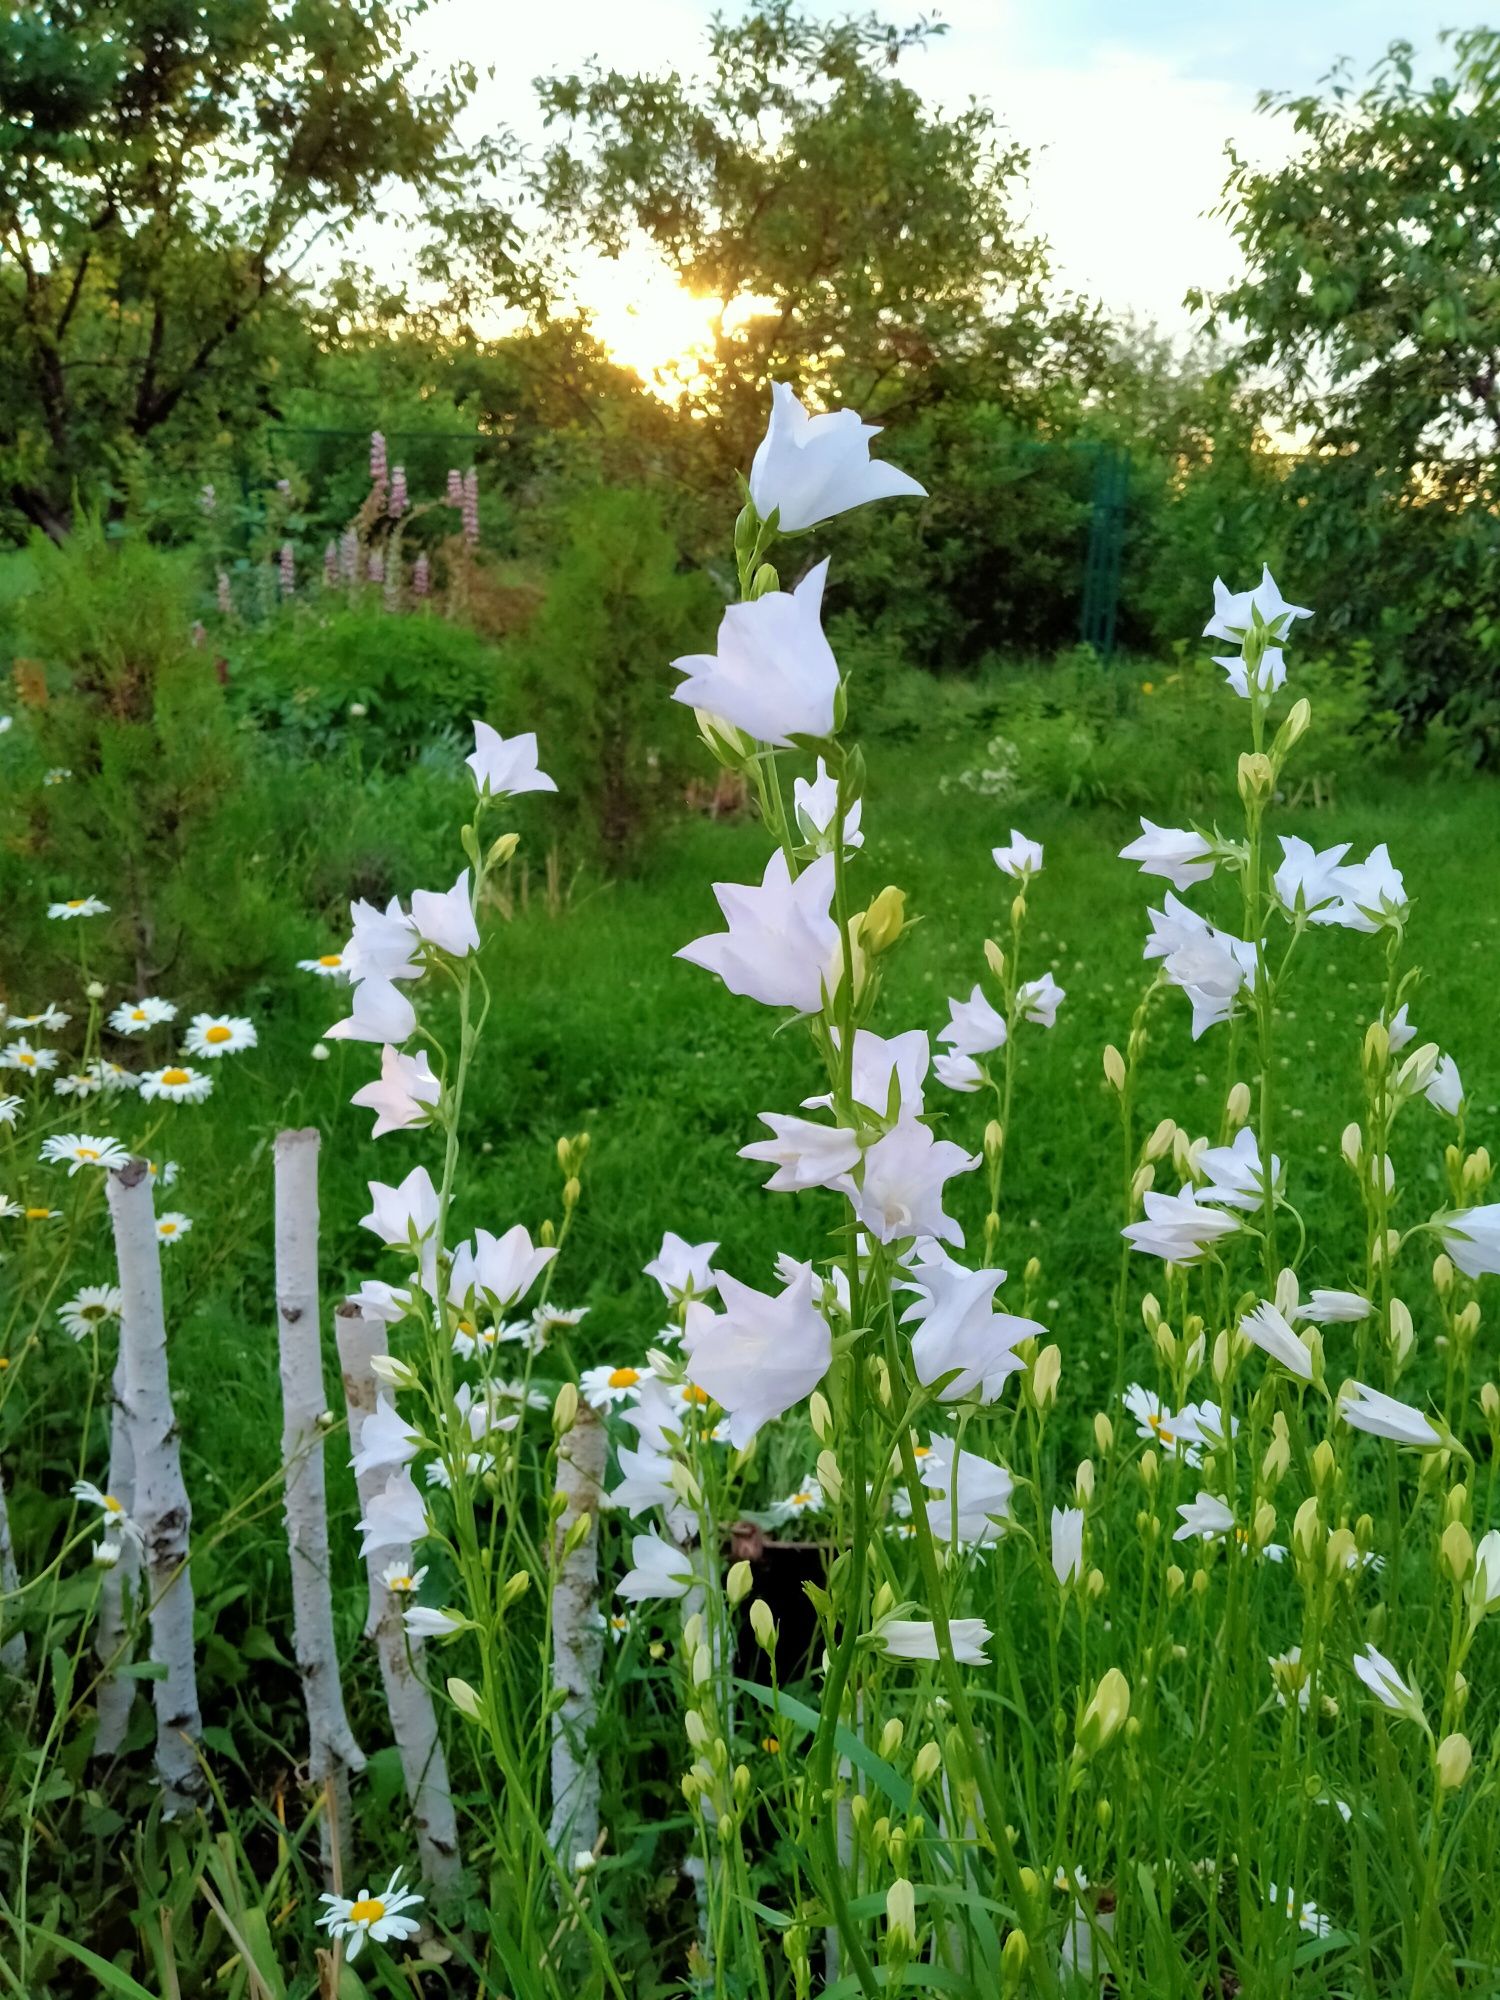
(880, 1774)
(110, 1977)
(143, 1670)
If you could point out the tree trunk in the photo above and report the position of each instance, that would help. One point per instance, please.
(413, 1723)
(577, 1641)
(112, 1634)
(332, 1751)
(159, 1503)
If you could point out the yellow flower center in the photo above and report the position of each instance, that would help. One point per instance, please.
(218, 1033)
(137, 1013)
(37, 1214)
(624, 1378)
(331, 958)
(921, 1451)
(76, 902)
(26, 1059)
(402, 1583)
(166, 1228)
(771, 1743)
(112, 1505)
(801, 1500)
(1158, 1424)
(368, 1910)
(87, 1152)
(693, 1394)
(4, 1362)
(174, 1077)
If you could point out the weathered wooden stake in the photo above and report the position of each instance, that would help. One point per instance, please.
(112, 1634)
(577, 1641)
(332, 1750)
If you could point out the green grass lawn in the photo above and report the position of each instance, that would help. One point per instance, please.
(597, 1027)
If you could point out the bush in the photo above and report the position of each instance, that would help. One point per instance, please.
(591, 669)
(316, 678)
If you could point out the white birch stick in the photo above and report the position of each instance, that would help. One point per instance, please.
(413, 1723)
(577, 1641)
(12, 1647)
(112, 1634)
(332, 1752)
(159, 1504)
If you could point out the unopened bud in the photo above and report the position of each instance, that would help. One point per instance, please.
(820, 1416)
(1106, 1714)
(926, 1763)
(1458, 1550)
(901, 1916)
(891, 1737)
(994, 958)
(565, 1409)
(1162, 1139)
(1256, 778)
(1045, 1371)
(1442, 1274)
(1083, 1484)
(1454, 1756)
(1237, 1106)
(763, 1625)
(1013, 1956)
(1265, 1523)
(465, 1699)
(739, 1582)
(1104, 1433)
(884, 921)
(829, 1477)
(1114, 1067)
(1352, 1146)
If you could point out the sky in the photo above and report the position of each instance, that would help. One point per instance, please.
(1126, 105)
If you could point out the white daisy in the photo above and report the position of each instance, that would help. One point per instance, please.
(172, 1226)
(402, 1582)
(166, 1174)
(77, 906)
(1306, 1916)
(1174, 1431)
(112, 1078)
(180, 1086)
(83, 1149)
(330, 966)
(379, 1917)
(81, 1085)
(116, 1520)
(89, 1308)
(219, 1035)
(605, 1387)
(22, 1056)
(9, 1208)
(58, 775)
(10, 1110)
(808, 1499)
(137, 1017)
(53, 1019)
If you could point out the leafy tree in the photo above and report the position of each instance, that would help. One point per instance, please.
(165, 170)
(804, 174)
(1373, 257)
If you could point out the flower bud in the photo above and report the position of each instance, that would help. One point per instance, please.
(502, 850)
(465, 1699)
(1442, 1274)
(1489, 1403)
(829, 1477)
(1149, 1466)
(1454, 1756)
(739, 1582)
(820, 1416)
(1352, 1146)
(1162, 1139)
(1324, 1463)
(1340, 1552)
(1104, 1433)
(1013, 1956)
(994, 1141)
(926, 1763)
(1175, 1580)
(1106, 1714)
(1458, 1550)
(1256, 778)
(398, 1374)
(892, 1737)
(1045, 1371)
(884, 921)
(93, 991)
(1114, 1067)
(1377, 1049)
(1307, 1528)
(1294, 728)
(565, 1409)
(1237, 1107)
(994, 958)
(901, 1916)
(763, 1625)
(1265, 1523)
(1083, 1484)
(1150, 1312)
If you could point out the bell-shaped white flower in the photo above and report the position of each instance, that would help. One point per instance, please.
(1269, 675)
(1067, 1544)
(916, 1639)
(773, 673)
(1037, 1000)
(395, 1517)
(404, 1093)
(1176, 1228)
(1204, 1519)
(1308, 880)
(1367, 1409)
(1208, 965)
(1266, 1329)
(1234, 610)
(502, 1269)
(382, 943)
(378, 1012)
(1323, 1307)
(385, 1438)
(1471, 1237)
(1020, 858)
(974, 1494)
(762, 1354)
(683, 1269)
(505, 766)
(1175, 852)
(815, 805)
(397, 1214)
(660, 1569)
(446, 918)
(958, 1072)
(804, 1153)
(881, 1062)
(809, 468)
(900, 1187)
(959, 1331)
(782, 946)
(1371, 894)
(974, 1028)
(1445, 1091)
(1234, 1172)
(1387, 1685)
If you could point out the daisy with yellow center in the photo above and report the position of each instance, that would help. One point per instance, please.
(137, 1017)
(77, 906)
(402, 1582)
(176, 1084)
(379, 1917)
(604, 1387)
(213, 1035)
(115, 1519)
(89, 1309)
(83, 1149)
(330, 966)
(22, 1056)
(43, 1214)
(170, 1228)
(808, 1499)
